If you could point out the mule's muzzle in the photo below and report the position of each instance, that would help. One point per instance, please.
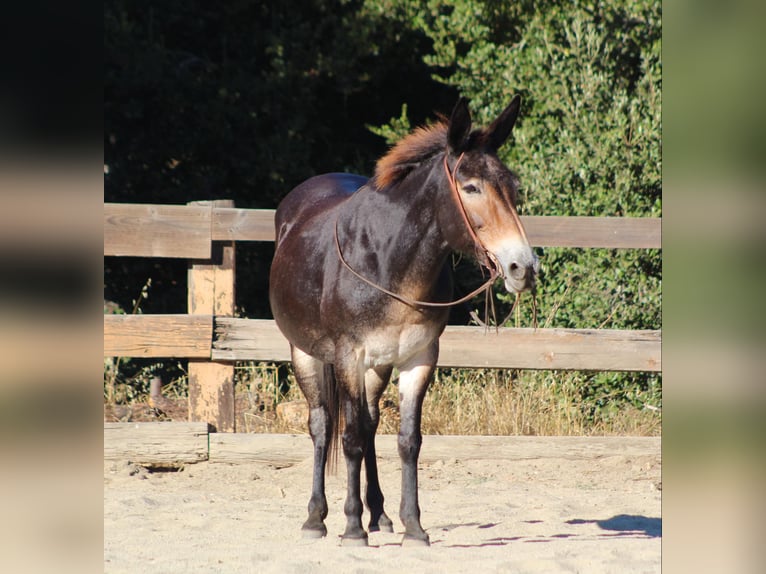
(520, 273)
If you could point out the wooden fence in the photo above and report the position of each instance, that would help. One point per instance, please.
(211, 338)
(178, 443)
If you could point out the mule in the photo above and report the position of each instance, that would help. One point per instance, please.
(361, 283)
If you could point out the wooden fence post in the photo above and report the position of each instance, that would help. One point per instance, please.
(211, 292)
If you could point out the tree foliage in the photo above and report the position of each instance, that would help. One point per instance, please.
(588, 140)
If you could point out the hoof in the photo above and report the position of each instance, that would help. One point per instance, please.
(353, 542)
(410, 541)
(314, 532)
(384, 525)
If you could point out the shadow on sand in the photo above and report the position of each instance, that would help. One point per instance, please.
(626, 525)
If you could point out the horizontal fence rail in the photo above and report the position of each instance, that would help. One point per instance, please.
(475, 347)
(155, 336)
(186, 231)
(234, 339)
(179, 443)
(182, 231)
(210, 338)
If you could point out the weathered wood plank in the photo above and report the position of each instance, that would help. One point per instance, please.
(569, 349)
(179, 442)
(187, 336)
(543, 231)
(161, 443)
(287, 450)
(277, 449)
(144, 230)
(185, 231)
(611, 232)
(239, 339)
(243, 224)
(566, 349)
(260, 340)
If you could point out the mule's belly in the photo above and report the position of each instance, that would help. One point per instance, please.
(397, 345)
(392, 345)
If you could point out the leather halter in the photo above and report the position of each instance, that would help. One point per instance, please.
(486, 258)
(483, 254)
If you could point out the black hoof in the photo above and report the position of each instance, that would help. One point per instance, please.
(354, 536)
(354, 541)
(384, 524)
(314, 530)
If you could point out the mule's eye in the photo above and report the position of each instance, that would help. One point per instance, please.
(470, 188)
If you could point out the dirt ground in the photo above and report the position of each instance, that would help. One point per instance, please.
(539, 512)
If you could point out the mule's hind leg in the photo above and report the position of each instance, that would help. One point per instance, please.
(375, 382)
(310, 374)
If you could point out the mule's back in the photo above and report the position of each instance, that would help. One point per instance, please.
(312, 197)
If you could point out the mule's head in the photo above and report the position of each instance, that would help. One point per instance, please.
(488, 192)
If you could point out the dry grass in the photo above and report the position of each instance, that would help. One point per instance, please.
(459, 402)
(263, 387)
(469, 402)
(504, 402)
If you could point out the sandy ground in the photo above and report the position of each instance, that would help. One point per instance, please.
(536, 513)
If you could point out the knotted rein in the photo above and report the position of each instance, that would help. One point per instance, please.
(486, 258)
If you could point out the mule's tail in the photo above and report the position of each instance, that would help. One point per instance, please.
(334, 403)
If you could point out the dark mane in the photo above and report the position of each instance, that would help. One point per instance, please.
(409, 152)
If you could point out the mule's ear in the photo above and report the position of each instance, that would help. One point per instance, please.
(459, 126)
(501, 128)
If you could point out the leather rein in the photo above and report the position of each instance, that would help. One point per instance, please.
(486, 258)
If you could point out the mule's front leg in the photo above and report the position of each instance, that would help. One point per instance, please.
(375, 382)
(413, 382)
(353, 449)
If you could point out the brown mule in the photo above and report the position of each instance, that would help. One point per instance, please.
(361, 282)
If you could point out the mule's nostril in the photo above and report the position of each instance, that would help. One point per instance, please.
(517, 271)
